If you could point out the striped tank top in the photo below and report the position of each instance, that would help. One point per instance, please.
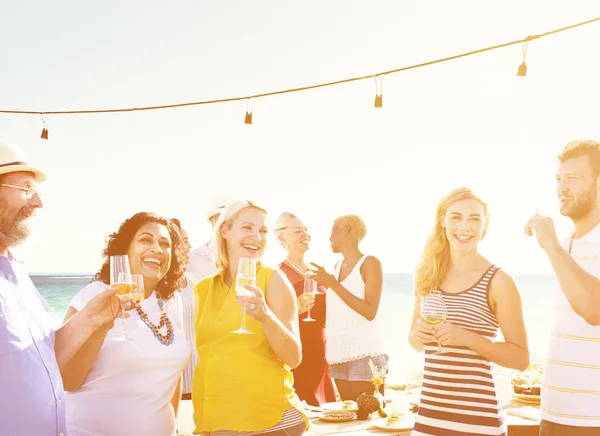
(458, 394)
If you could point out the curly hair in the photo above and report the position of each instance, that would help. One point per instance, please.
(118, 243)
(182, 232)
(355, 223)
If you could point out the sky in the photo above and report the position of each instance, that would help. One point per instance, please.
(320, 153)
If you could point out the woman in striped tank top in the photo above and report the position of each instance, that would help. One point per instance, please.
(458, 395)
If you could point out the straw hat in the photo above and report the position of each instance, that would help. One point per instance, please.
(12, 159)
(214, 211)
(216, 205)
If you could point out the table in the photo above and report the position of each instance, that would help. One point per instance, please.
(517, 426)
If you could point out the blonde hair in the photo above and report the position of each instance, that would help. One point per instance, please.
(229, 214)
(435, 260)
(355, 223)
(281, 224)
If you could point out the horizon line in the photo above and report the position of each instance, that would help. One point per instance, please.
(71, 273)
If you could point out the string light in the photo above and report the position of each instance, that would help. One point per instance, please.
(522, 72)
(44, 134)
(378, 93)
(248, 118)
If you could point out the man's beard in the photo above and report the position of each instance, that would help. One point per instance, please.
(14, 226)
(581, 206)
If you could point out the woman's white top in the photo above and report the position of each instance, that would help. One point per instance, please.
(130, 385)
(351, 336)
(188, 298)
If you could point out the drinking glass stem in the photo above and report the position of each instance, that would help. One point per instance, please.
(125, 331)
(244, 319)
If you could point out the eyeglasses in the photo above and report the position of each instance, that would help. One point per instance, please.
(30, 192)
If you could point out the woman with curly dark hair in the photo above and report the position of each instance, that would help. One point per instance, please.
(133, 387)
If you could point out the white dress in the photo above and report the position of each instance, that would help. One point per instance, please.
(350, 336)
(130, 385)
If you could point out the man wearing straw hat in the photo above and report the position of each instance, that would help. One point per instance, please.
(32, 400)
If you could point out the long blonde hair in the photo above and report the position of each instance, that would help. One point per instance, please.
(435, 260)
(229, 214)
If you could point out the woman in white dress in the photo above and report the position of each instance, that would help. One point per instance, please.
(133, 387)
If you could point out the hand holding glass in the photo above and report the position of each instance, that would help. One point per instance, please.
(434, 311)
(246, 275)
(120, 277)
(310, 290)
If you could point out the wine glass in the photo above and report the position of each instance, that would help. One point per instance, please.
(434, 311)
(310, 290)
(138, 293)
(246, 275)
(310, 271)
(135, 296)
(120, 277)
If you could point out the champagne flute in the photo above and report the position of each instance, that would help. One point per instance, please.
(136, 296)
(138, 293)
(246, 275)
(120, 277)
(434, 311)
(310, 290)
(311, 270)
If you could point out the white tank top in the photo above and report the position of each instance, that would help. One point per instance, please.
(349, 335)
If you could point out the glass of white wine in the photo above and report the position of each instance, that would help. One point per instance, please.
(135, 296)
(137, 293)
(246, 275)
(120, 277)
(310, 291)
(434, 311)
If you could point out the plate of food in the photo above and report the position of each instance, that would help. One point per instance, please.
(528, 398)
(341, 406)
(342, 416)
(395, 422)
(528, 393)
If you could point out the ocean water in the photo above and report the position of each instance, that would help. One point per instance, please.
(396, 310)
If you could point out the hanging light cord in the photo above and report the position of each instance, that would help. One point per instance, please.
(304, 88)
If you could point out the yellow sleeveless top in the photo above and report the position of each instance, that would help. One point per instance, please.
(239, 383)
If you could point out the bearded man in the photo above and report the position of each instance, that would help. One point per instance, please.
(571, 380)
(32, 399)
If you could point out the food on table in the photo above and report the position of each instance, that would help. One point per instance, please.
(349, 404)
(393, 419)
(367, 404)
(527, 389)
(337, 416)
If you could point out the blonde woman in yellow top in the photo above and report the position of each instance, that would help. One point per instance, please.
(243, 384)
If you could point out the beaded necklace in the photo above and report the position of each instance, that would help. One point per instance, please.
(164, 322)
